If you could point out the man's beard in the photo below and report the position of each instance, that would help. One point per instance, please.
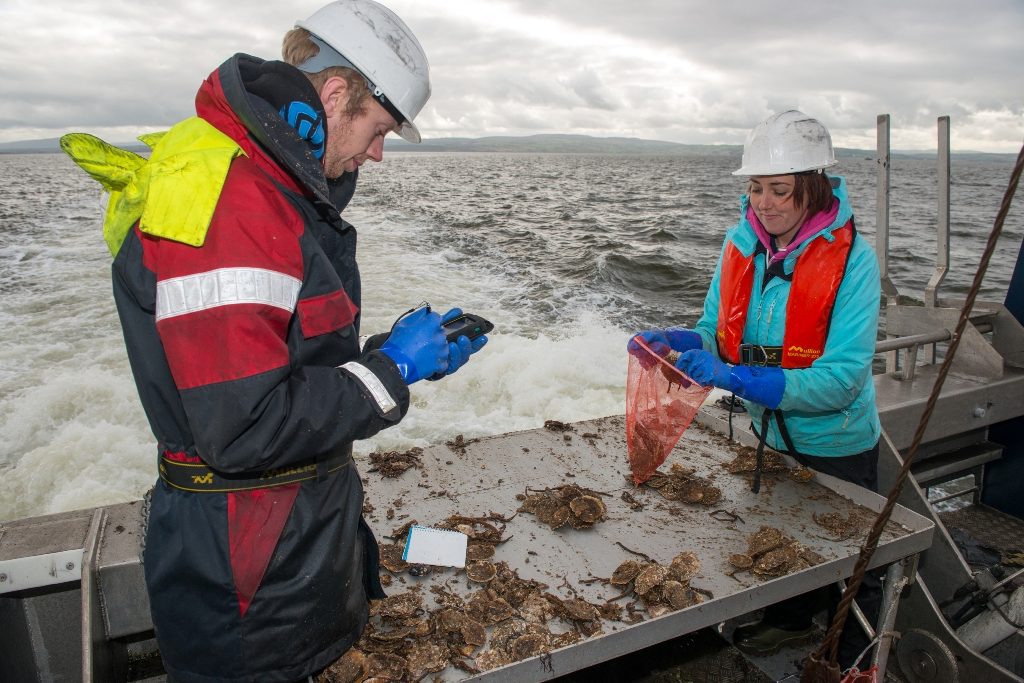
(334, 167)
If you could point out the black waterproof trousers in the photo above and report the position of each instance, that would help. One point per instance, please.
(795, 614)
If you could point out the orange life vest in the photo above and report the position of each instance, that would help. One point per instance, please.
(812, 294)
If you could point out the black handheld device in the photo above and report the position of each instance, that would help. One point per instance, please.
(466, 325)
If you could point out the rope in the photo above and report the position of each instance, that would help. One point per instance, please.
(830, 645)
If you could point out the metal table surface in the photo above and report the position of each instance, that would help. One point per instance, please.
(488, 473)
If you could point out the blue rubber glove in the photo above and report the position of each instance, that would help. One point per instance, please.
(676, 339)
(764, 385)
(417, 345)
(459, 350)
(645, 359)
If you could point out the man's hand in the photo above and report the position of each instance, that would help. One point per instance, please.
(461, 349)
(418, 346)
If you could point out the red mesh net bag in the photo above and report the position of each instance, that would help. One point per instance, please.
(661, 402)
(855, 675)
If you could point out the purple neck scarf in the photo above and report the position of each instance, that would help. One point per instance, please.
(811, 227)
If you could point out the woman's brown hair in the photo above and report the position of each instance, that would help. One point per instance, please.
(813, 189)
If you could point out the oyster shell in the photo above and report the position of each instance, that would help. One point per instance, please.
(489, 610)
(449, 621)
(741, 561)
(527, 645)
(479, 551)
(678, 595)
(764, 539)
(652, 575)
(491, 659)
(580, 610)
(400, 606)
(776, 562)
(480, 571)
(350, 668)
(684, 567)
(559, 516)
(391, 558)
(424, 657)
(386, 666)
(588, 508)
(626, 572)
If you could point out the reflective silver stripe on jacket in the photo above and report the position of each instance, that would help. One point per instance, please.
(224, 287)
(372, 384)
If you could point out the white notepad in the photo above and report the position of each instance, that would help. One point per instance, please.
(440, 547)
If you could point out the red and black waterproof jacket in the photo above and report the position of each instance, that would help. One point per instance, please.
(236, 348)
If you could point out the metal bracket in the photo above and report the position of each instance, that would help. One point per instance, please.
(35, 571)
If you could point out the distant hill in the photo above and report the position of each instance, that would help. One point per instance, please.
(544, 144)
(586, 144)
(49, 145)
(558, 144)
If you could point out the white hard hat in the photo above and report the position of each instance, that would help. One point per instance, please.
(790, 142)
(370, 38)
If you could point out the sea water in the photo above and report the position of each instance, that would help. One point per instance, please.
(566, 254)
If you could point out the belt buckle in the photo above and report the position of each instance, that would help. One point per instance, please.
(748, 356)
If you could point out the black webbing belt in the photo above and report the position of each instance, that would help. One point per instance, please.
(197, 477)
(755, 354)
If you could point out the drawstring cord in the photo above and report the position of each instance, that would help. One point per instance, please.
(759, 467)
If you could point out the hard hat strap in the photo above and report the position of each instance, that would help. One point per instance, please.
(328, 57)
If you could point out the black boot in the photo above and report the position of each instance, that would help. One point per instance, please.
(762, 639)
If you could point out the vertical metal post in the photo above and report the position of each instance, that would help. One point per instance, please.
(931, 292)
(96, 664)
(895, 581)
(882, 206)
(882, 185)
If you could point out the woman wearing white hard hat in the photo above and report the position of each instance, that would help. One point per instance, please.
(789, 326)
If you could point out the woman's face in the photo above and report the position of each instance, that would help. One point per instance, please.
(771, 197)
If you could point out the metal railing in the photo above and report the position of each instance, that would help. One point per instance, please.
(912, 343)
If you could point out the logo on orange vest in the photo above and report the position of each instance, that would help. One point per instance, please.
(801, 352)
(205, 479)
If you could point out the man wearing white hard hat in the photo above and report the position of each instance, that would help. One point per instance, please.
(789, 326)
(237, 287)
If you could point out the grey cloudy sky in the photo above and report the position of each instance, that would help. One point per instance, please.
(678, 70)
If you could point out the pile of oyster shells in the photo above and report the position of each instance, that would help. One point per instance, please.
(681, 484)
(770, 553)
(569, 504)
(660, 588)
(405, 641)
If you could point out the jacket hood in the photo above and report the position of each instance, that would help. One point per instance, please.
(745, 239)
(239, 99)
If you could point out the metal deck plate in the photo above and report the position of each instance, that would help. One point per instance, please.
(487, 475)
(989, 526)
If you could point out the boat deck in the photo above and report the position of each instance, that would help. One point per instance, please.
(483, 478)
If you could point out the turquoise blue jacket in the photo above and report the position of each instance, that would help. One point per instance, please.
(829, 408)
